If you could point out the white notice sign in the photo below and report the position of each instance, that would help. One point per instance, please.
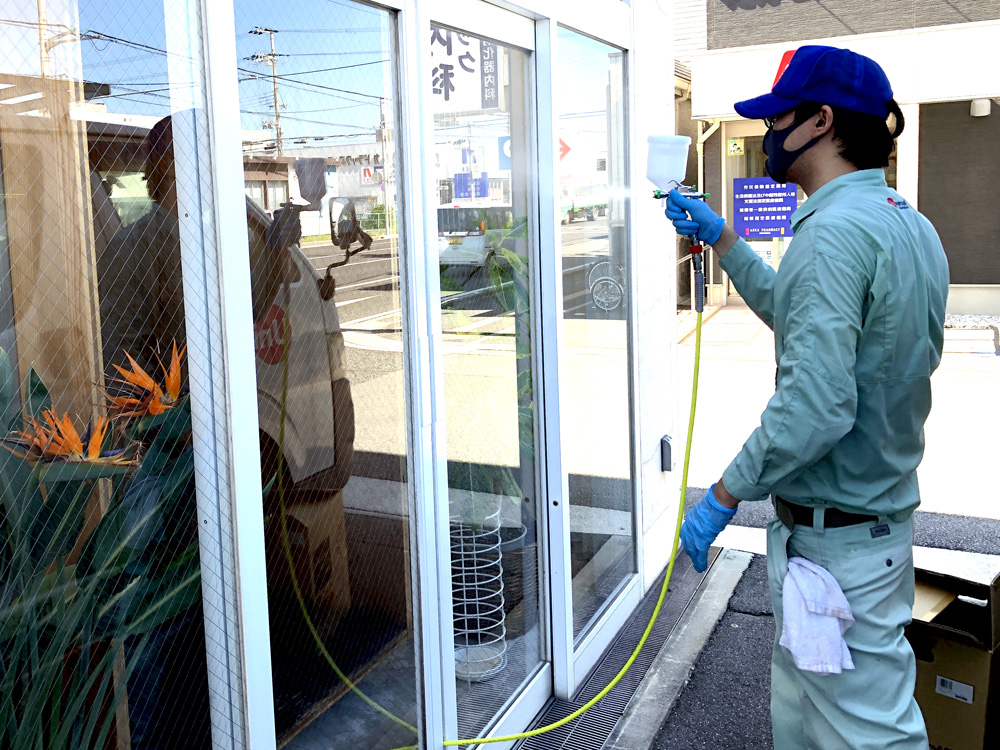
(465, 75)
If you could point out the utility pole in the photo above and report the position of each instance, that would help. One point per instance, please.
(272, 60)
(43, 46)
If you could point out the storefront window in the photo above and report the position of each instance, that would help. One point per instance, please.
(595, 393)
(317, 85)
(104, 637)
(482, 99)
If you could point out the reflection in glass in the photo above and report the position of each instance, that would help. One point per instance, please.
(595, 385)
(103, 642)
(318, 100)
(481, 95)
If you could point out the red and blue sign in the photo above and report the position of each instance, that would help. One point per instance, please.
(763, 207)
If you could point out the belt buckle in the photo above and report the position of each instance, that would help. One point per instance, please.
(784, 514)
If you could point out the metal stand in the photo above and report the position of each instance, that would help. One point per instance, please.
(477, 595)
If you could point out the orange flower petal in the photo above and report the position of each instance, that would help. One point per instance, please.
(97, 438)
(156, 405)
(137, 376)
(172, 380)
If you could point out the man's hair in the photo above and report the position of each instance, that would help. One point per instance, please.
(160, 139)
(866, 141)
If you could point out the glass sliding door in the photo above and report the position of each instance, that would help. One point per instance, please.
(595, 391)
(482, 99)
(108, 592)
(318, 98)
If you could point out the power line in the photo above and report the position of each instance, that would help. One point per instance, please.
(315, 85)
(286, 116)
(329, 31)
(339, 67)
(309, 111)
(332, 54)
(356, 8)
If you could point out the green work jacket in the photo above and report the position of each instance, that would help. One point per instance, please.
(857, 309)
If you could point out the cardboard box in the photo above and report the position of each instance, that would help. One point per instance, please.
(955, 635)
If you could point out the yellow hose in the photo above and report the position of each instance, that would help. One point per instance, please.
(659, 602)
(589, 704)
(288, 549)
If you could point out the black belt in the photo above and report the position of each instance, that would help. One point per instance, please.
(793, 515)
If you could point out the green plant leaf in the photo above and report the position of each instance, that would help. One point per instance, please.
(78, 471)
(59, 522)
(43, 591)
(448, 284)
(164, 597)
(22, 501)
(8, 392)
(36, 396)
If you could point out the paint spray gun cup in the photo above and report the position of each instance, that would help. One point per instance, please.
(666, 166)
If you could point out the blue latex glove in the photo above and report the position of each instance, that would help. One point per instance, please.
(703, 222)
(702, 524)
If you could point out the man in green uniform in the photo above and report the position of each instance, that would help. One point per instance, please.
(857, 310)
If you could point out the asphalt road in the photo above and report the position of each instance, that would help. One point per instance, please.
(475, 325)
(369, 284)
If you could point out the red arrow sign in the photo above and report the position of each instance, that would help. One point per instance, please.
(563, 149)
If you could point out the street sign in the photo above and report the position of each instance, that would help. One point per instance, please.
(763, 207)
(503, 152)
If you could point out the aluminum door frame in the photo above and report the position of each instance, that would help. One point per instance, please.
(573, 661)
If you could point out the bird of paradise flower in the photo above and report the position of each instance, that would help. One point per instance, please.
(141, 395)
(51, 437)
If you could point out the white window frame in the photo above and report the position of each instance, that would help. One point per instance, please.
(573, 661)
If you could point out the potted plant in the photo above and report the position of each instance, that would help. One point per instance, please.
(80, 604)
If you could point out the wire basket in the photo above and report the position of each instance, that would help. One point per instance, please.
(477, 598)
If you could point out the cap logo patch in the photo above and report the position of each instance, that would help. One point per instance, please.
(786, 60)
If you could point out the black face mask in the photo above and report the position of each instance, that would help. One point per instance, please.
(779, 161)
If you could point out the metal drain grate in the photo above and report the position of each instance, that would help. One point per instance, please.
(592, 730)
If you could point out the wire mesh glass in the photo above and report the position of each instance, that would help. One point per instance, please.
(318, 100)
(116, 591)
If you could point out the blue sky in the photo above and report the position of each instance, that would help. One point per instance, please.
(332, 63)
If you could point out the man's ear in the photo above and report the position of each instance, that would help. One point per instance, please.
(824, 120)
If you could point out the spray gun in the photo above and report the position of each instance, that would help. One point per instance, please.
(665, 168)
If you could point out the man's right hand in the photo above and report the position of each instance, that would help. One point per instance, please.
(703, 222)
(702, 524)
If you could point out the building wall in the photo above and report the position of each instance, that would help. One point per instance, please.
(740, 23)
(959, 183)
(690, 28)
(945, 63)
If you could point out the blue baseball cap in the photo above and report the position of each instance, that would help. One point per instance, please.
(828, 75)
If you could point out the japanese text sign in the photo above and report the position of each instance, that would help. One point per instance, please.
(763, 207)
(466, 72)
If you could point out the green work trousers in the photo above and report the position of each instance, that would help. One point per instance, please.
(872, 706)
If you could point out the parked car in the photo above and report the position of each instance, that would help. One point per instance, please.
(467, 235)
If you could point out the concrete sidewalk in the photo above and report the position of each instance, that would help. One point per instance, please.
(709, 686)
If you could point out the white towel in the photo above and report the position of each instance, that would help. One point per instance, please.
(816, 616)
